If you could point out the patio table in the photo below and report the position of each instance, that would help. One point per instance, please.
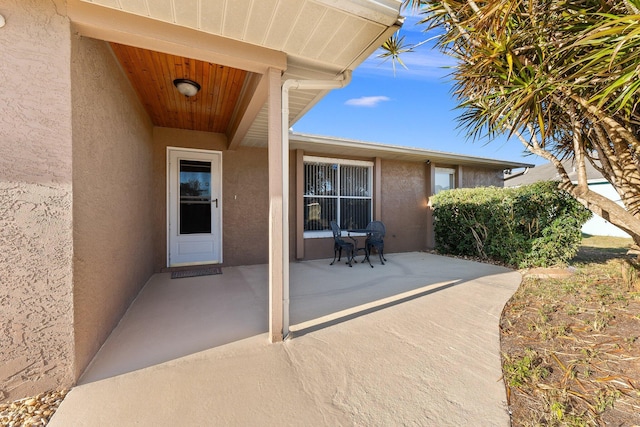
(359, 232)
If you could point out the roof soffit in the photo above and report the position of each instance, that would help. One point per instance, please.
(305, 39)
(346, 147)
(312, 31)
(113, 25)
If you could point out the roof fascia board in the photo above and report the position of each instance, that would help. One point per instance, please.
(364, 55)
(113, 25)
(371, 148)
(369, 50)
(381, 11)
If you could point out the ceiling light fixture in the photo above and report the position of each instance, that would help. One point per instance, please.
(186, 87)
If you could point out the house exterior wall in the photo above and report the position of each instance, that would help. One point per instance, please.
(245, 202)
(480, 177)
(404, 195)
(36, 240)
(403, 200)
(404, 206)
(112, 201)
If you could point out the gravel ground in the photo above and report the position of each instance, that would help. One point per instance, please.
(31, 411)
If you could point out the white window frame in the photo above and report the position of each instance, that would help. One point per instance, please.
(452, 177)
(345, 162)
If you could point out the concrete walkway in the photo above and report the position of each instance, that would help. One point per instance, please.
(414, 342)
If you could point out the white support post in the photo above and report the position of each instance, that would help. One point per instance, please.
(276, 209)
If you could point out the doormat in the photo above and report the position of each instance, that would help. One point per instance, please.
(196, 272)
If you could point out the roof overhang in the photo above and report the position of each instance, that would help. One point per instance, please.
(303, 39)
(345, 147)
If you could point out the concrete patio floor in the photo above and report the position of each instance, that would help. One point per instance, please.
(413, 342)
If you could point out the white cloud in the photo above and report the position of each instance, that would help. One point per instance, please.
(367, 101)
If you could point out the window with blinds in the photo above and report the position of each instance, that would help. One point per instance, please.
(337, 190)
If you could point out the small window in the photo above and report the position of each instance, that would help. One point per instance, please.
(445, 179)
(337, 190)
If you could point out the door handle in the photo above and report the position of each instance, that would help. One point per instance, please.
(216, 202)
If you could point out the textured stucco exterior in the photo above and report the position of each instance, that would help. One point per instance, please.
(481, 177)
(405, 188)
(83, 209)
(245, 200)
(404, 206)
(403, 203)
(36, 246)
(112, 198)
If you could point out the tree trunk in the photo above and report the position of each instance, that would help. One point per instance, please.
(607, 209)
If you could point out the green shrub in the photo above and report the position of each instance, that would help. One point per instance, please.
(533, 225)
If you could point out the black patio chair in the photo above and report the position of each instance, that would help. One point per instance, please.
(375, 239)
(339, 244)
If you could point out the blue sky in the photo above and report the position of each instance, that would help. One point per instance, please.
(414, 108)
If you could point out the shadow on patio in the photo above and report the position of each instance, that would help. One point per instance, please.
(174, 318)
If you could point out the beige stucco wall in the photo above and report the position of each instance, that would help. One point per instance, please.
(112, 195)
(481, 177)
(404, 192)
(246, 206)
(245, 194)
(403, 206)
(36, 342)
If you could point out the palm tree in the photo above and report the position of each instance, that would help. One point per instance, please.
(562, 76)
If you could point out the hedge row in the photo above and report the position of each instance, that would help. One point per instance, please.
(536, 225)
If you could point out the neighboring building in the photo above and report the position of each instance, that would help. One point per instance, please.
(109, 175)
(596, 226)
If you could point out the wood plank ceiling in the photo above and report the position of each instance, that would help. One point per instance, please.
(152, 74)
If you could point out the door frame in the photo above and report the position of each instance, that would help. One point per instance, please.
(218, 179)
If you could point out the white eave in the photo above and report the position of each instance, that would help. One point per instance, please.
(381, 11)
(320, 39)
(315, 144)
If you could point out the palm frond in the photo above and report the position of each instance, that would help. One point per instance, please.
(393, 48)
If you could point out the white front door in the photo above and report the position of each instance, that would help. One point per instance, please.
(194, 196)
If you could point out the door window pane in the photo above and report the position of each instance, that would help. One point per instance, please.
(195, 197)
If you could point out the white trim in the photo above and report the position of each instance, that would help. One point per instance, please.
(450, 173)
(168, 203)
(446, 170)
(193, 150)
(332, 160)
(384, 12)
(371, 149)
(321, 234)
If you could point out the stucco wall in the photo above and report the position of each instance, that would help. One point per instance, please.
(404, 206)
(245, 200)
(36, 343)
(112, 197)
(481, 177)
(246, 206)
(245, 196)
